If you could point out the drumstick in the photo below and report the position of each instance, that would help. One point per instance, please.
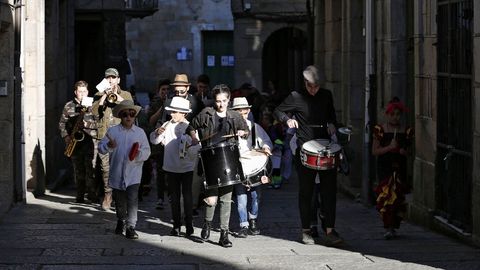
(208, 137)
(167, 123)
(228, 135)
(395, 134)
(262, 151)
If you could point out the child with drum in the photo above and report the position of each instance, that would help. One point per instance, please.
(390, 143)
(254, 155)
(179, 162)
(218, 129)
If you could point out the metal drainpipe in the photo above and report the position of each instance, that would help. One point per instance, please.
(369, 60)
(19, 184)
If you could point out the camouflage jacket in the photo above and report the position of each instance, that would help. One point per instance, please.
(104, 113)
(69, 116)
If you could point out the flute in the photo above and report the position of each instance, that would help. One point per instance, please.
(164, 126)
(160, 136)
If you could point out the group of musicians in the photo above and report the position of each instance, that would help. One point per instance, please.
(109, 120)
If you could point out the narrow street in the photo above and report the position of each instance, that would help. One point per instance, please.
(53, 232)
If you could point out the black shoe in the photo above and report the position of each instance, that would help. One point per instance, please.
(175, 232)
(333, 239)
(243, 233)
(189, 230)
(120, 227)
(131, 234)
(388, 235)
(314, 232)
(79, 199)
(205, 234)
(224, 242)
(253, 227)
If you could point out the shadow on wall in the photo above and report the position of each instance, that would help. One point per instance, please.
(37, 181)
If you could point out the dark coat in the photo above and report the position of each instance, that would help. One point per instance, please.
(205, 125)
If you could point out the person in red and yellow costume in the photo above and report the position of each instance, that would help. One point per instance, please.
(391, 142)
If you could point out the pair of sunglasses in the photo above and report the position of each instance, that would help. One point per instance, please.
(129, 113)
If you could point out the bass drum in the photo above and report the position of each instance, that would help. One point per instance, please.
(221, 165)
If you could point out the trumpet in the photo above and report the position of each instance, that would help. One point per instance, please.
(111, 97)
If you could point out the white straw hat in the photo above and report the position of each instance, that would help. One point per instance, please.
(179, 104)
(240, 103)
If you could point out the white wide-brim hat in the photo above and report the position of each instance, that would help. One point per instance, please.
(125, 105)
(179, 104)
(240, 103)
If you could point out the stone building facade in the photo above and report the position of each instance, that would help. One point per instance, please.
(172, 40)
(339, 49)
(23, 99)
(41, 59)
(369, 50)
(375, 50)
(154, 43)
(271, 43)
(446, 192)
(7, 93)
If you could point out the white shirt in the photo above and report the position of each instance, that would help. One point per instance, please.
(261, 137)
(175, 141)
(123, 172)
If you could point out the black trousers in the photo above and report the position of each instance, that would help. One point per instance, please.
(180, 184)
(82, 160)
(328, 194)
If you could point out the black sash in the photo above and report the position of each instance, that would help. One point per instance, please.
(254, 139)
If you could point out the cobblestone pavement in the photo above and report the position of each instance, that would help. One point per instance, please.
(54, 232)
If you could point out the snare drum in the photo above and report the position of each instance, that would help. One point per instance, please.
(221, 165)
(320, 154)
(255, 164)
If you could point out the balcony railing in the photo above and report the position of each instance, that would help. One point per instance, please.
(141, 4)
(141, 8)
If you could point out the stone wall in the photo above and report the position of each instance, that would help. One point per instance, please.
(6, 104)
(253, 26)
(340, 51)
(153, 42)
(34, 95)
(425, 111)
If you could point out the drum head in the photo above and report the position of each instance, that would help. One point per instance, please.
(219, 146)
(253, 161)
(315, 146)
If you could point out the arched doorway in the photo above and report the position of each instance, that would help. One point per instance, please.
(283, 59)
